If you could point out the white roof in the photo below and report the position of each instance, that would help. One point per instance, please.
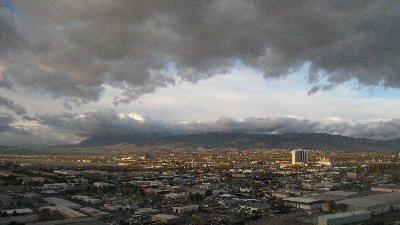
(227, 196)
(166, 216)
(67, 211)
(301, 200)
(62, 202)
(18, 211)
(339, 193)
(91, 210)
(147, 210)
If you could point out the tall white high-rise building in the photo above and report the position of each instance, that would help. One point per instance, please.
(299, 157)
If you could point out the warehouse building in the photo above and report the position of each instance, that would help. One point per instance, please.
(87, 199)
(67, 213)
(62, 202)
(377, 203)
(386, 188)
(344, 218)
(309, 204)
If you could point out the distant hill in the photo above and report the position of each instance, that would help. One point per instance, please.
(248, 140)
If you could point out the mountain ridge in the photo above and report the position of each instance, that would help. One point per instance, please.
(313, 141)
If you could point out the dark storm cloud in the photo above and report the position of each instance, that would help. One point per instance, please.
(103, 123)
(255, 125)
(385, 130)
(5, 121)
(109, 123)
(71, 48)
(6, 125)
(9, 37)
(9, 104)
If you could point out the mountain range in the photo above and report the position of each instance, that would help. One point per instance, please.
(312, 141)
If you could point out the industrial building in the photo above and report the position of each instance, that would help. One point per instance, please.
(337, 195)
(386, 188)
(94, 212)
(376, 203)
(62, 210)
(20, 219)
(304, 203)
(87, 199)
(62, 202)
(344, 218)
(18, 216)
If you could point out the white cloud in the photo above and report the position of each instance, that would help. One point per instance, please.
(133, 115)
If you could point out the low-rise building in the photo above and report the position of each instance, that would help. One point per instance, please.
(115, 207)
(62, 202)
(195, 191)
(185, 209)
(156, 191)
(94, 212)
(304, 203)
(165, 218)
(67, 172)
(147, 211)
(64, 211)
(87, 199)
(75, 221)
(280, 195)
(32, 179)
(23, 219)
(175, 195)
(102, 185)
(325, 162)
(16, 211)
(57, 186)
(386, 188)
(255, 207)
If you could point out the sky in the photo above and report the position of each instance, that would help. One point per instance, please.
(71, 70)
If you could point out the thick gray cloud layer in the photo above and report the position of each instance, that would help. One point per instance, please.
(5, 121)
(6, 125)
(109, 123)
(71, 48)
(9, 104)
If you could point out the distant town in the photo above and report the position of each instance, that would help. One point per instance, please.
(200, 186)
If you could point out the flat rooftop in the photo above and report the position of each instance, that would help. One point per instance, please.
(373, 201)
(303, 200)
(388, 186)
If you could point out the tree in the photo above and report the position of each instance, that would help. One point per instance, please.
(196, 197)
(209, 192)
(122, 222)
(332, 206)
(341, 207)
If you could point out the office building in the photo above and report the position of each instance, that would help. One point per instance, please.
(299, 157)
